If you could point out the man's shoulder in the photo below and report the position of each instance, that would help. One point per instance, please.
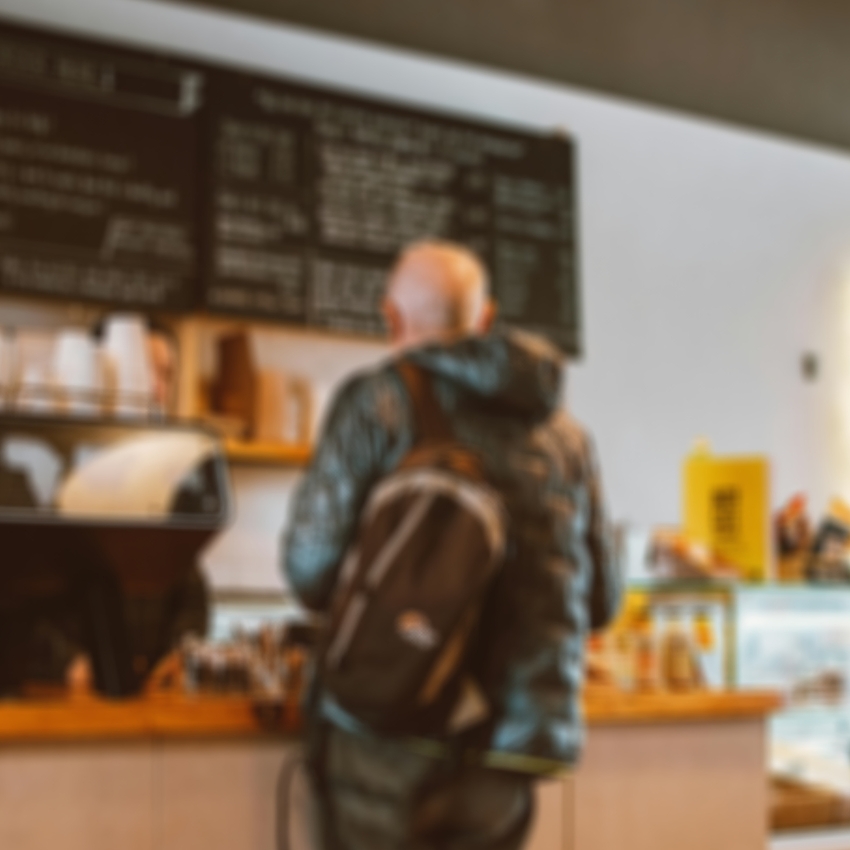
(569, 439)
(568, 428)
(374, 392)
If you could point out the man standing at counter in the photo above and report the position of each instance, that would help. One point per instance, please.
(500, 392)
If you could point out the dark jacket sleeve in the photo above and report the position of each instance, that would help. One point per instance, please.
(606, 582)
(365, 435)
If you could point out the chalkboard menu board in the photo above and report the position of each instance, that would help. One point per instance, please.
(149, 181)
(98, 187)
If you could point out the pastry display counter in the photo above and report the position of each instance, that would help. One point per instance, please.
(179, 773)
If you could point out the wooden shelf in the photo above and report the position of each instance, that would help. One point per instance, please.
(267, 453)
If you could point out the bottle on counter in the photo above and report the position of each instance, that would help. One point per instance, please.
(681, 668)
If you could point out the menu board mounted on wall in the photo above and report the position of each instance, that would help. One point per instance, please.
(98, 187)
(315, 193)
(141, 180)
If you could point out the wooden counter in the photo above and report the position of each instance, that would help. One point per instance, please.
(615, 707)
(166, 716)
(177, 773)
(151, 718)
(674, 771)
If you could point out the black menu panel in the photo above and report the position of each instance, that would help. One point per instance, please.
(98, 176)
(149, 181)
(314, 193)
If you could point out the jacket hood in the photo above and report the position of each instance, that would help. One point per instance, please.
(509, 369)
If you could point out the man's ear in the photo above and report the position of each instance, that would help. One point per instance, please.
(488, 316)
(394, 321)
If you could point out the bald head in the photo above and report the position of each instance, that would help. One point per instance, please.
(437, 290)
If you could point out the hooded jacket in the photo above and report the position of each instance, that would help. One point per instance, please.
(501, 392)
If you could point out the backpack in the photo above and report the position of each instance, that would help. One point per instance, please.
(429, 544)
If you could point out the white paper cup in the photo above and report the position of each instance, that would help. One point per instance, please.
(78, 371)
(33, 381)
(125, 344)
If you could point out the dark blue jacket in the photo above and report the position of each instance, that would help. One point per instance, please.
(501, 392)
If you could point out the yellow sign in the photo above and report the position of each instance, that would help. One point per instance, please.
(727, 508)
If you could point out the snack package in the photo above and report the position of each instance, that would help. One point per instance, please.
(829, 561)
(793, 536)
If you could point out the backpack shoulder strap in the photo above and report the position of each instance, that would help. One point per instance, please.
(432, 424)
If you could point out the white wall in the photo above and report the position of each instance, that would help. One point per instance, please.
(712, 258)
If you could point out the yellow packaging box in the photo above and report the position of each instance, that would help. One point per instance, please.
(727, 508)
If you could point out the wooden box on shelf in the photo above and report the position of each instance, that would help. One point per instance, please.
(264, 416)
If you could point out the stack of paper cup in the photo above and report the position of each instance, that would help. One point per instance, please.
(125, 348)
(78, 372)
(32, 380)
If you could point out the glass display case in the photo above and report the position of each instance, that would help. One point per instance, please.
(794, 639)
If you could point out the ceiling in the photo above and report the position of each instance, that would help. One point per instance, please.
(777, 65)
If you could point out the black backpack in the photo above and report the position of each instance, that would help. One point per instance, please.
(429, 544)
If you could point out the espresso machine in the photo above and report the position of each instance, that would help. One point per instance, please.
(93, 510)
